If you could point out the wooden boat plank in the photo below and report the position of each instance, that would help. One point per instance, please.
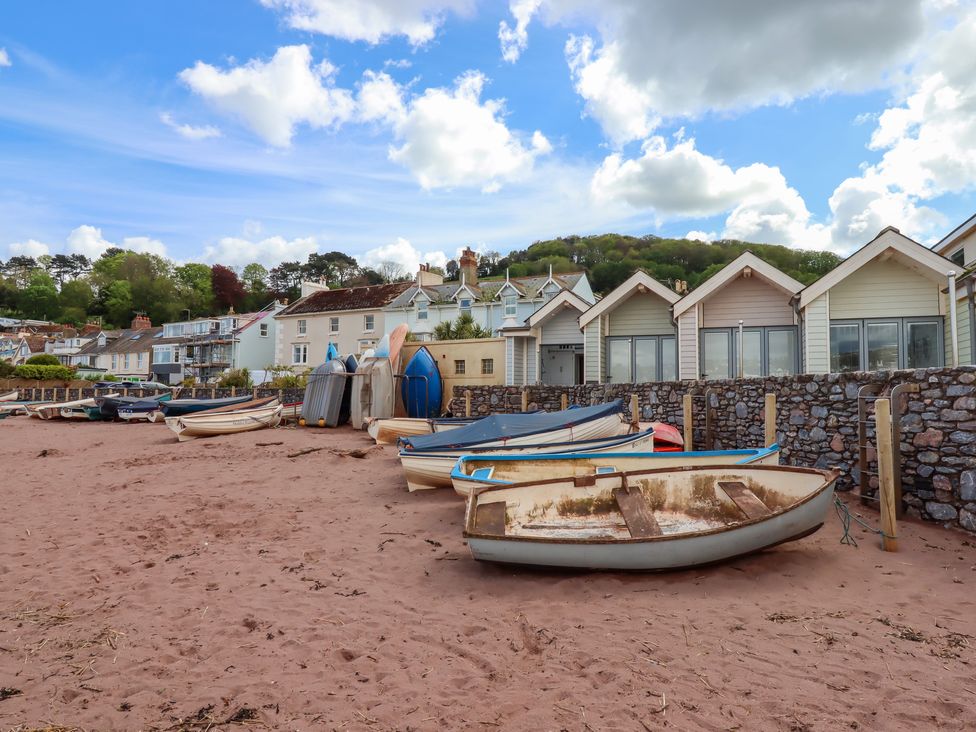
(491, 518)
(747, 501)
(637, 513)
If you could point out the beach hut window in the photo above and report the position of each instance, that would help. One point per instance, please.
(511, 306)
(263, 330)
(302, 327)
(459, 367)
(368, 321)
(487, 366)
(299, 353)
(421, 309)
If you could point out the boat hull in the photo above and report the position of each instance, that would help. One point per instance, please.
(179, 407)
(9, 396)
(421, 387)
(427, 471)
(224, 423)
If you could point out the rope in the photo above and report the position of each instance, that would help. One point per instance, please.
(845, 516)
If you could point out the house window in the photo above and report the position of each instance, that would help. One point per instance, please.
(959, 257)
(636, 360)
(511, 306)
(302, 327)
(421, 309)
(126, 360)
(333, 325)
(766, 351)
(299, 354)
(115, 362)
(139, 359)
(368, 321)
(487, 366)
(263, 330)
(464, 305)
(884, 344)
(459, 367)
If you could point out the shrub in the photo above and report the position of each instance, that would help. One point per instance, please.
(6, 368)
(101, 377)
(282, 377)
(240, 378)
(42, 372)
(43, 359)
(189, 381)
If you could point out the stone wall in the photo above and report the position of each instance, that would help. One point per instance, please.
(816, 424)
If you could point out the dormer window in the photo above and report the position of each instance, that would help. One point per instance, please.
(421, 309)
(464, 305)
(511, 305)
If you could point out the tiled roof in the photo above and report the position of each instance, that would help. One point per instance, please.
(488, 289)
(347, 298)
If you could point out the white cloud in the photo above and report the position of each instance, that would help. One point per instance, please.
(29, 248)
(273, 97)
(380, 99)
(452, 139)
(236, 251)
(397, 63)
(190, 132)
(659, 60)
(515, 40)
(705, 236)
(403, 253)
(4, 58)
(88, 240)
(372, 21)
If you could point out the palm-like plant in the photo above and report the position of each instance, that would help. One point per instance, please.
(461, 329)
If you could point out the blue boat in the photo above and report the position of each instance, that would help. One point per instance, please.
(421, 388)
(179, 407)
(332, 352)
(141, 408)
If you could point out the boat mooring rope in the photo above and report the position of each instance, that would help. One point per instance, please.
(845, 516)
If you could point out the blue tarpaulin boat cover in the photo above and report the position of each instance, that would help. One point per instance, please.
(498, 426)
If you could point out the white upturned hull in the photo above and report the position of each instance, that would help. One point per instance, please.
(9, 397)
(190, 427)
(53, 410)
(74, 413)
(678, 547)
(430, 471)
(516, 471)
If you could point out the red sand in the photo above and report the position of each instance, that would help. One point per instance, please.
(150, 584)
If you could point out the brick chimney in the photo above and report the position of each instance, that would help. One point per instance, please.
(140, 322)
(425, 277)
(468, 266)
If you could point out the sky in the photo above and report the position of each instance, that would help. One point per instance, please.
(263, 130)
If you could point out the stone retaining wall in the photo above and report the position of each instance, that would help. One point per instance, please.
(816, 424)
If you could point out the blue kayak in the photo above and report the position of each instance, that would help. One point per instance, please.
(421, 387)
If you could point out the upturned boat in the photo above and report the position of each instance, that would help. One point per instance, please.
(178, 407)
(428, 470)
(10, 396)
(647, 520)
(192, 426)
(479, 471)
(388, 431)
(142, 408)
(52, 410)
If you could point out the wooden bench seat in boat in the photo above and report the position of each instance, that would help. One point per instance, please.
(747, 501)
(637, 513)
(490, 518)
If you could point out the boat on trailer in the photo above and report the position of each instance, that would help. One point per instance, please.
(471, 472)
(429, 470)
(650, 520)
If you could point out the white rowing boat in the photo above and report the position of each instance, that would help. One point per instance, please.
(192, 426)
(52, 410)
(9, 396)
(471, 472)
(426, 470)
(388, 431)
(647, 520)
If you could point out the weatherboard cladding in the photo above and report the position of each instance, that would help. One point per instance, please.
(347, 298)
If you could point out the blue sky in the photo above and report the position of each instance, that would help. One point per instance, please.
(262, 130)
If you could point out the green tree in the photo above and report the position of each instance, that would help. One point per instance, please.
(77, 294)
(462, 328)
(193, 285)
(117, 303)
(40, 298)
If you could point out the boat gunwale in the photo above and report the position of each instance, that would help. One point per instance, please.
(620, 440)
(469, 532)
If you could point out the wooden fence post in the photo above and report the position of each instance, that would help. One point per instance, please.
(886, 477)
(564, 401)
(281, 396)
(525, 400)
(634, 413)
(254, 392)
(689, 427)
(233, 391)
(193, 392)
(213, 392)
(467, 402)
(770, 419)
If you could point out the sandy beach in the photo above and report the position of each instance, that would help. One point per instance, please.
(146, 584)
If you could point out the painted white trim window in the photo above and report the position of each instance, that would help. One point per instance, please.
(369, 322)
(464, 306)
(883, 344)
(459, 365)
(139, 359)
(421, 309)
(126, 361)
(115, 361)
(263, 330)
(511, 305)
(641, 359)
(302, 327)
(299, 354)
(487, 366)
(766, 351)
(334, 325)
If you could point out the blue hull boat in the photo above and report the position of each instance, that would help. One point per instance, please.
(421, 388)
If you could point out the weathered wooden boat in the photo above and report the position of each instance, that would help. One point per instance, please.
(647, 520)
(52, 410)
(142, 408)
(291, 411)
(426, 470)
(421, 388)
(513, 430)
(192, 426)
(373, 394)
(76, 412)
(388, 431)
(10, 396)
(478, 471)
(249, 404)
(178, 407)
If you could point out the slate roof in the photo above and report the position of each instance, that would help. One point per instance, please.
(488, 289)
(347, 298)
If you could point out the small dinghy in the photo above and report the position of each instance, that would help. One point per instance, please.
(388, 431)
(142, 408)
(192, 426)
(10, 396)
(647, 520)
(179, 407)
(323, 394)
(429, 470)
(53, 410)
(471, 472)
(421, 386)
